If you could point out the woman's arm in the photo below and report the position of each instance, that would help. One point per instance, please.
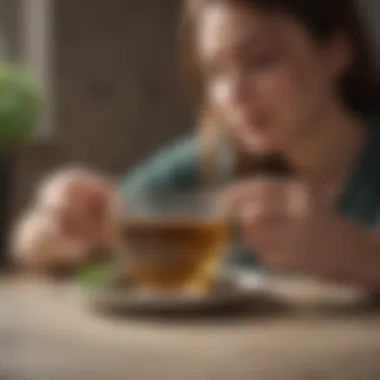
(292, 228)
(43, 238)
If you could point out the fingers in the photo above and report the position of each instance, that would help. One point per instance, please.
(258, 214)
(37, 242)
(260, 188)
(268, 209)
(81, 200)
(264, 197)
(69, 186)
(259, 199)
(69, 218)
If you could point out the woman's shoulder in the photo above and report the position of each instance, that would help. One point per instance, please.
(182, 151)
(178, 166)
(173, 166)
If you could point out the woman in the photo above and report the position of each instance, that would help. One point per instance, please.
(287, 86)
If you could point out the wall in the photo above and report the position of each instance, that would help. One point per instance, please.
(118, 89)
(10, 43)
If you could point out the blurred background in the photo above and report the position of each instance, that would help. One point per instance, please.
(108, 75)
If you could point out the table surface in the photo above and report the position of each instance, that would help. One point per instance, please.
(325, 333)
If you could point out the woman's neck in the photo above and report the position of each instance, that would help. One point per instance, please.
(327, 156)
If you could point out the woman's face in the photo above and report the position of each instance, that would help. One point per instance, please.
(265, 75)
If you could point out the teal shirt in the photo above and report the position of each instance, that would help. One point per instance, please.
(176, 168)
(360, 200)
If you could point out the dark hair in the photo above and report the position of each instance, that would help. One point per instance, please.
(322, 18)
(359, 87)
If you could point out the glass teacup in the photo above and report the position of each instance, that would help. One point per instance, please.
(173, 241)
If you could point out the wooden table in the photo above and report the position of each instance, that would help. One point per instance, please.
(46, 335)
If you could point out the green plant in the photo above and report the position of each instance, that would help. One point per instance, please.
(20, 105)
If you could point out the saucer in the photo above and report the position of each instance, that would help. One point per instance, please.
(232, 290)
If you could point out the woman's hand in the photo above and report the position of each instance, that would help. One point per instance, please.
(38, 242)
(287, 225)
(70, 216)
(80, 199)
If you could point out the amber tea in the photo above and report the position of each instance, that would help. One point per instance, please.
(177, 245)
(173, 254)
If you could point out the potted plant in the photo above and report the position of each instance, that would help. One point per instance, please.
(19, 109)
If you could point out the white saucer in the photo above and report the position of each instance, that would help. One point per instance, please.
(231, 291)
